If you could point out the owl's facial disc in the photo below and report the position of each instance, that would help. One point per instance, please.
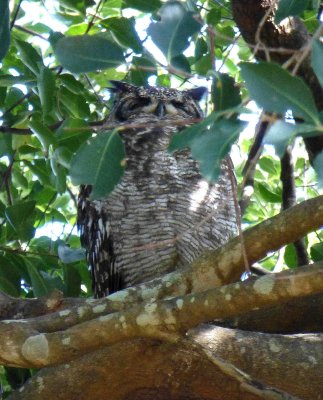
(135, 101)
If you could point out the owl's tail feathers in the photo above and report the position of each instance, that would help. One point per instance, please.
(106, 279)
(96, 238)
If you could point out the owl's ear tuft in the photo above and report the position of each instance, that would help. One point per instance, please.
(197, 93)
(119, 86)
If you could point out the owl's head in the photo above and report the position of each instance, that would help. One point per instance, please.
(133, 101)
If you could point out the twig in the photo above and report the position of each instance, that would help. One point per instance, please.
(238, 217)
(250, 166)
(18, 102)
(91, 23)
(15, 15)
(259, 29)
(20, 251)
(23, 29)
(307, 50)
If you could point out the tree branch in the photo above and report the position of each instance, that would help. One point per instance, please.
(172, 371)
(162, 320)
(289, 200)
(274, 359)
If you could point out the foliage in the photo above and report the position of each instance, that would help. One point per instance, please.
(53, 97)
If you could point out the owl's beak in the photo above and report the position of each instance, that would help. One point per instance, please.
(160, 109)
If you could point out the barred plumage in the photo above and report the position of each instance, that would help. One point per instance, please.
(162, 214)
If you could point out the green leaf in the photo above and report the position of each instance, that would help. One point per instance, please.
(18, 179)
(287, 8)
(76, 105)
(123, 29)
(72, 280)
(40, 286)
(3, 95)
(43, 134)
(181, 63)
(290, 256)
(68, 255)
(142, 69)
(225, 94)
(278, 135)
(73, 133)
(281, 132)
(163, 80)
(317, 252)
(267, 194)
(70, 82)
(317, 57)
(276, 90)
(213, 17)
(20, 217)
(203, 65)
(201, 48)
(212, 146)
(88, 53)
(40, 168)
(318, 166)
(29, 56)
(46, 89)
(60, 174)
(99, 162)
(4, 28)
(267, 164)
(14, 95)
(224, 35)
(9, 276)
(142, 5)
(184, 138)
(63, 156)
(77, 5)
(210, 141)
(54, 37)
(6, 145)
(9, 80)
(172, 33)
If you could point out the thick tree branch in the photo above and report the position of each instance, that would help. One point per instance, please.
(296, 316)
(14, 308)
(128, 371)
(164, 320)
(274, 359)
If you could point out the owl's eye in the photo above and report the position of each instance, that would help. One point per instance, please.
(126, 107)
(179, 104)
(141, 102)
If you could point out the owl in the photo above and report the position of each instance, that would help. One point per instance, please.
(162, 214)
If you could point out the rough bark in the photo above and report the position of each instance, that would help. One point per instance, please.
(296, 316)
(274, 359)
(147, 369)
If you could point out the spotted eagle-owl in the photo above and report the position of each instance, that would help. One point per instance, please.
(162, 214)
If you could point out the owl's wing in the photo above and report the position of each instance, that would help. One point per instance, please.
(95, 236)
